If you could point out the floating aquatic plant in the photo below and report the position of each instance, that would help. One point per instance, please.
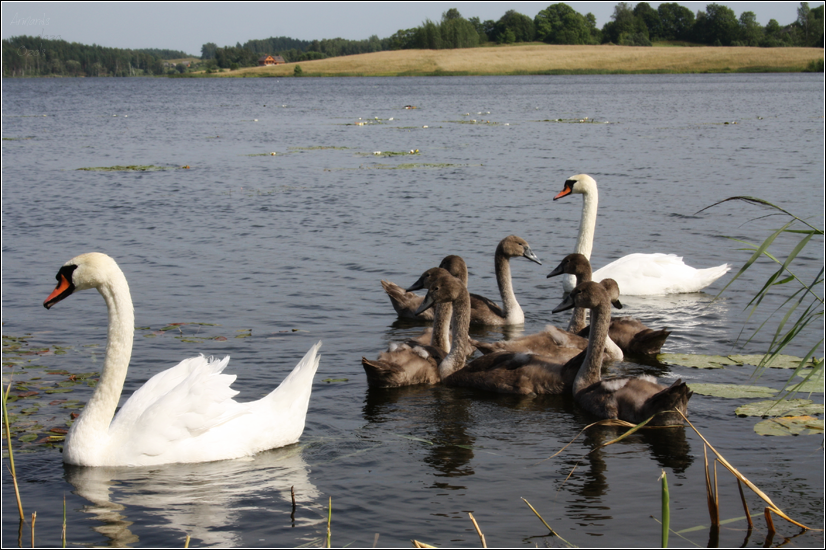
(696, 361)
(132, 168)
(789, 407)
(732, 391)
(790, 425)
(584, 120)
(317, 148)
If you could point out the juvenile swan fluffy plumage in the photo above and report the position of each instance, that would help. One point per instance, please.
(183, 414)
(632, 399)
(636, 274)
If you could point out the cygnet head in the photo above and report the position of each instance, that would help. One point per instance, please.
(573, 264)
(443, 288)
(612, 288)
(581, 183)
(426, 278)
(456, 266)
(585, 295)
(513, 246)
(82, 272)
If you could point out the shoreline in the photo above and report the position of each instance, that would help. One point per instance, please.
(543, 59)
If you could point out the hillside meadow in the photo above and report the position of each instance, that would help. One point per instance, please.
(548, 59)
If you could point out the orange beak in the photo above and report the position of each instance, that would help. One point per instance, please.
(57, 294)
(566, 191)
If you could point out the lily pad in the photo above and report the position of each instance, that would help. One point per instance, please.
(412, 165)
(695, 361)
(316, 148)
(790, 425)
(807, 386)
(732, 391)
(789, 407)
(130, 168)
(779, 362)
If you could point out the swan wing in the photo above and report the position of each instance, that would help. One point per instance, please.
(174, 406)
(657, 274)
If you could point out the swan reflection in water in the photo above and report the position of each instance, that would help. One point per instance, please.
(202, 500)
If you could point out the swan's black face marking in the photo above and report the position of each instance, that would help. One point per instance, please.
(569, 188)
(64, 287)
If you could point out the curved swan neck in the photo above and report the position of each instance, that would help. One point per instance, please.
(97, 415)
(589, 372)
(588, 222)
(460, 325)
(441, 326)
(510, 307)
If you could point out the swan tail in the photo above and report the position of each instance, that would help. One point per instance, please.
(297, 386)
(674, 397)
(405, 303)
(705, 277)
(647, 342)
(411, 369)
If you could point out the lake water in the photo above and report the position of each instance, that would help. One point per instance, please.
(273, 253)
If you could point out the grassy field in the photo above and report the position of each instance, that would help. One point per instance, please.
(547, 59)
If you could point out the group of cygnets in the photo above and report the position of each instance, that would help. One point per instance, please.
(553, 361)
(187, 413)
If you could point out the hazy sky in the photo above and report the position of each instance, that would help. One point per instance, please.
(187, 26)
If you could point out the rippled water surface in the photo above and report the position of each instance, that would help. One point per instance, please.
(271, 253)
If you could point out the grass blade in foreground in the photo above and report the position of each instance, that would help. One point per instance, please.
(11, 454)
(804, 298)
(666, 511)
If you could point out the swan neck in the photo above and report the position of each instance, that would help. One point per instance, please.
(460, 325)
(441, 326)
(93, 423)
(587, 223)
(589, 372)
(578, 318)
(510, 307)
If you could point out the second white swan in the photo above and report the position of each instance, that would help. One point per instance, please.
(636, 274)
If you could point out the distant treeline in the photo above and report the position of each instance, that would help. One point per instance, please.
(37, 56)
(639, 25)
(164, 54)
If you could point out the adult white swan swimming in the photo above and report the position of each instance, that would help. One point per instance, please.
(183, 414)
(636, 274)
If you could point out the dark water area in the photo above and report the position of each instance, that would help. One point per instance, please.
(272, 253)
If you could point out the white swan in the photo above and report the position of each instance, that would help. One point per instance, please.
(183, 414)
(636, 274)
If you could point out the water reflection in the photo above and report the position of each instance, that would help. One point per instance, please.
(202, 500)
(449, 448)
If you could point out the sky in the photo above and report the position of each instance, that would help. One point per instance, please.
(187, 26)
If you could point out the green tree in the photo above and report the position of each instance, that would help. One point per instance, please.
(625, 27)
(717, 26)
(561, 24)
(751, 31)
(208, 51)
(651, 18)
(676, 21)
(297, 71)
(480, 29)
(456, 31)
(520, 25)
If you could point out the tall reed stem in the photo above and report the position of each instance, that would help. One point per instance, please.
(666, 511)
(11, 454)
